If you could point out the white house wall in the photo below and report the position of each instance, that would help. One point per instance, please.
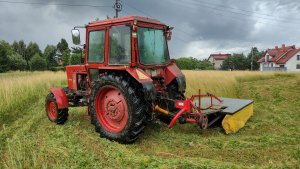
(292, 63)
(266, 59)
(218, 64)
(276, 65)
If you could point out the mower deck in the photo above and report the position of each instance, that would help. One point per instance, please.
(235, 112)
(227, 106)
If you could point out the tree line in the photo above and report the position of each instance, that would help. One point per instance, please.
(22, 56)
(237, 61)
(190, 63)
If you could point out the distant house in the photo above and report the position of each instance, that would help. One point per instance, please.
(217, 59)
(286, 58)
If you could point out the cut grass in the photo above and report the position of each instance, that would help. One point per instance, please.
(270, 139)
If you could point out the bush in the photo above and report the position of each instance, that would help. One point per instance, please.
(75, 59)
(235, 62)
(49, 55)
(4, 51)
(38, 63)
(66, 57)
(193, 63)
(187, 63)
(57, 68)
(16, 62)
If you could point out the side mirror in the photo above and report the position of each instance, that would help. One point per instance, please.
(169, 32)
(76, 36)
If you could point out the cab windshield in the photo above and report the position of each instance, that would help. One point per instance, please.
(152, 46)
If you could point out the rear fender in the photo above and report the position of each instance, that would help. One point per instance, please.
(139, 75)
(61, 97)
(173, 72)
(145, 80)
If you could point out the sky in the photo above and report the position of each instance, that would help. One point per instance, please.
(201, 27)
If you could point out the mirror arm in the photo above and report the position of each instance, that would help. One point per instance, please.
(75, 27)
(80, 56)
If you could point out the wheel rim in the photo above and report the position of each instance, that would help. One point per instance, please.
(52, 110)
(111, 109)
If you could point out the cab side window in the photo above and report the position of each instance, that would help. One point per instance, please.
(96, 46)
(120, 45)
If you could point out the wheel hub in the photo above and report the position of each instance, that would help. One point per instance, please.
(111, 109)
(114, 110)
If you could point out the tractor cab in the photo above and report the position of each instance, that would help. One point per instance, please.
(128, 41)
(133, 45)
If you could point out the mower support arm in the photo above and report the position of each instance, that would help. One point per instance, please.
(186, 106)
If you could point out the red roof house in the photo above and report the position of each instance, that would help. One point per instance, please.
(217, 59)
(283, 58)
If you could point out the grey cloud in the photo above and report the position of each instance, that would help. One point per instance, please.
(201, 27)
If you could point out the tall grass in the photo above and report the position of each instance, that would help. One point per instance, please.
(220, 83)
(20, 89)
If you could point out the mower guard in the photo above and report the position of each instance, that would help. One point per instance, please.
(207, 109)
(237, 112)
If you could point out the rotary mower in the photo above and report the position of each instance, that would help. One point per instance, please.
(127, 79)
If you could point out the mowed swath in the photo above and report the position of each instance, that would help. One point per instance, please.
(29, 140)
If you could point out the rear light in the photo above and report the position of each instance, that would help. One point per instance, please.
(180, 104)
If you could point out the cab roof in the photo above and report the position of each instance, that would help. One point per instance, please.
(125, 19)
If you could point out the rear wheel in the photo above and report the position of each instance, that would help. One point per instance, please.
(58, 116)
(116, 109)
(111, 108)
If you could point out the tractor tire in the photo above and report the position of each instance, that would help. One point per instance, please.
(116, 109)
(58, 116)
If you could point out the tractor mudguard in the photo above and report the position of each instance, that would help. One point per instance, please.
(60, 96)
(146, 81)
(181, 83)
(149, 91)
(173, 72)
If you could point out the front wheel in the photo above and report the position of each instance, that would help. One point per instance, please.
(58, 116)
(116, 109)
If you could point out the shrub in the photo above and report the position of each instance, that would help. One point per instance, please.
(38, 63)
(4, 51)
(75, 59)
(16, 62)
(57, 68)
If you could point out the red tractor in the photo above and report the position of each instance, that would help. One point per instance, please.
(128, 79)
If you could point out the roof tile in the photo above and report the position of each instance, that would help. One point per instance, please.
(220, 56)
(280, 55)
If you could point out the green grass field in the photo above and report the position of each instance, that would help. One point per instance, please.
(270, 139)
